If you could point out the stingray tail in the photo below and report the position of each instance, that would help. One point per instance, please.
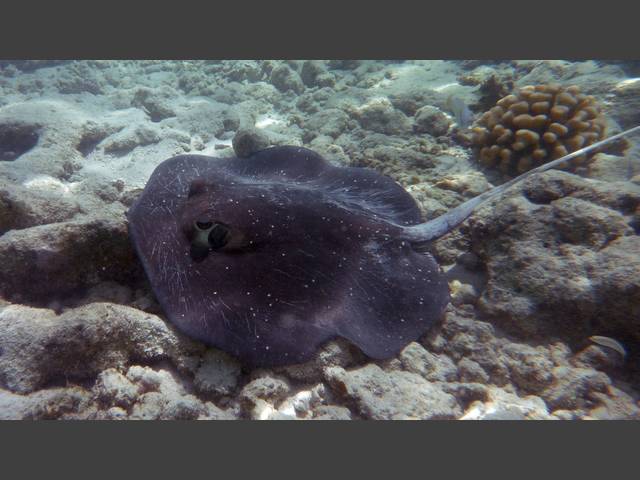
(420, 235)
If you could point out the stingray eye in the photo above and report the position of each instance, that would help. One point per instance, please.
(203, 225)
(218, 236)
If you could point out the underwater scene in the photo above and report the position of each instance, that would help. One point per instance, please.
(319, 239)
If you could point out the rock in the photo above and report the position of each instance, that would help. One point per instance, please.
(197, 143)
(379, 115)
(571, 255)
(186, 408)
(502, 405)
(470, 371)
(149, 407)
(307, 104)
(39, 346)
(129, 138)
(331, 122)
(625, 102)
(248, 141)
(462, 293)
(41, 262)
(217, 374)
(114, 413)
(530, 369)
(22, 207)
(411, 100)
(503, 413)
(264, 399)
(31, 65)
(285, 79)
(155, 406)
(331, 412)
(573, 386)
(598, 358)
(212, 412)
(93, 132)
(466, 393)
(434, 368)
(266, 388)
(338, 353)
(305, 400)
(431, 120)
(592, 77)
(209, 119)
(554, 184)
(164, 397)
(16, 139)
(40, 136)
(398, 395)
(615, 404)
(155, 102)
(79, 78)
(243, 70)
(469, 184)
(315, 74)
(566, 414)
(549, 373)
(400, 160)
(301, 404)
(113, 388)
(344, 64)
(263, 410)
(582, 222)
(147, 379)
(613, 168)
(109, 292)
(559, 353)
(461, 335)
(43, 405)
(334, 154)
(493, 84)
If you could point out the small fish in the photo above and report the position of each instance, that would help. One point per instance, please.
(464, 117)
(610, 343)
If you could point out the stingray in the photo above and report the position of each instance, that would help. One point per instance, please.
(270, 256)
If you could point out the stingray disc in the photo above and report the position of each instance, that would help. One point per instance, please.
(270, 256)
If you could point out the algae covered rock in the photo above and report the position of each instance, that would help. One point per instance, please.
(46, 261)
(562, 260)
(218, 373)
(249, 140)
(39, 346)
(285, 79)
(379, 115)
(394, 395)
(431, 120)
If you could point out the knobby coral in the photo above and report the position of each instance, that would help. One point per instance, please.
(535, 125)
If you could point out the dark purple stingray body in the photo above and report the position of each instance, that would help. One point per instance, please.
(319, 257)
